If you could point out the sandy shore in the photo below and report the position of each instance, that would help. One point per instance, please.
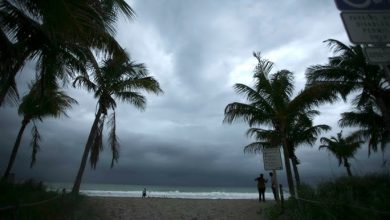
(172, 209)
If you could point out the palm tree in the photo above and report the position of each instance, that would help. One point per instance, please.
(369, 121)
(47, 30)
(349, 73)
(301, 131)
(342, 148)
(36, 106)
(271, 105)
(118, 78)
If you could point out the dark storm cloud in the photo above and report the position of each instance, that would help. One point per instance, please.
(197, 50)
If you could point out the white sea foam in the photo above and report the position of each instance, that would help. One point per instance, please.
(121, 190)
(176, 194)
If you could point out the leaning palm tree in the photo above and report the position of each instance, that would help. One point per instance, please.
(342, 148)
(35, 106)
(117, 79)
(350, 74)
(272, 106)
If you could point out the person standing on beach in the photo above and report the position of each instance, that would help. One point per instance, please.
(261, 186)
(144, 193)
(273, 185)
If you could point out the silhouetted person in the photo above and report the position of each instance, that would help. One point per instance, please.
(261, 186)
(273, 185)
(144, 193)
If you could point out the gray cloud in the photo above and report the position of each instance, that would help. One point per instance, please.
(197, 50)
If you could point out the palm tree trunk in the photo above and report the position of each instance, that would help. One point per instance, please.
(288, 168)
(87, 149)
(296, 173)
(385, 112)
(348, 166)
(386, 69)
(15, 148)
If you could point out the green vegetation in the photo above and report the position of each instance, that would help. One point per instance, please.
(342, 148)
(277, 119)
(35, 106)
(272, 106)
(67, 206)
(365, 197)
(117, 79)
(350, 75)
(69, 41)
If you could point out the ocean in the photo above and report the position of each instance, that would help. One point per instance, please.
(183, 192)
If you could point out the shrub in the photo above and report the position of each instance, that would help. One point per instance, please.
(366, 197)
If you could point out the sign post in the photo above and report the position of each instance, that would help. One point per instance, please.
(273, 161)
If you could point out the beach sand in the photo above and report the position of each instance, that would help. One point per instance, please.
(172, 209)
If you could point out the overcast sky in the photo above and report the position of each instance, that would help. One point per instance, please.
(197, 50)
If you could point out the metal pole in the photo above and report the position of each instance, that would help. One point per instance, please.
(281, 197)
(276, 185)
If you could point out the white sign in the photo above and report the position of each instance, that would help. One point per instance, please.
(272, 159)
(377, 55)
(367, 27)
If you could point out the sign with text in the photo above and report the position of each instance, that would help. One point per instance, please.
(377, 55)
(362, 5)
(272, 159)
(367, 28)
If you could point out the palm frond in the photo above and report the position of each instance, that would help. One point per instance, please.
(264, 66)
(97, 144)
(338, 46)
(84, 81)
(113, 139)
(36, 138)
(256, 147)
(134, 98)
(147, 84)
(240, 111)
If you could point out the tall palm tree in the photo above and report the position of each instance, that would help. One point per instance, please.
(36, 106)
(350, 74)
(342, 148)
(271, 105)
(48, 30)
(117, 78)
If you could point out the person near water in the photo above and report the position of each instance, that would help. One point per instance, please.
(144, 193)
(261, 187)
(273, 185)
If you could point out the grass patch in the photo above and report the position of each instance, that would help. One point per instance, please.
(366, 197)
(61, 206)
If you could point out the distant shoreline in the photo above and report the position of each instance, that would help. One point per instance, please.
(135, 191)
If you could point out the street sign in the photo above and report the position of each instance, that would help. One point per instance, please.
(362, 5)
(367, 28)
(272, 159)
(377, 55)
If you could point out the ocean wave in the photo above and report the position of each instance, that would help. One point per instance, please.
(175, 194)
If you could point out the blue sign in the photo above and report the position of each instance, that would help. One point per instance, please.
(363, 5)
